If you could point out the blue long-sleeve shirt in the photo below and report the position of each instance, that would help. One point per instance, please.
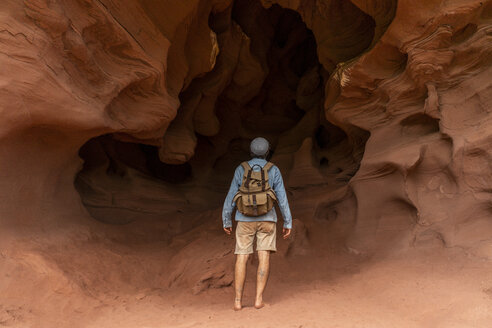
(277, 184)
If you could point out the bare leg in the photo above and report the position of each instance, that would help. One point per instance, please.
(239, 277)
(262, 277)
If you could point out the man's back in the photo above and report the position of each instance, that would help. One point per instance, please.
(276, 183)
(262, 227)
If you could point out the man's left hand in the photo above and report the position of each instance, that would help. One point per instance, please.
(286, 233)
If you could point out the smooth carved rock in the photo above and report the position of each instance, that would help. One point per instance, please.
(437, 64)
(236, 70)
(343, 29)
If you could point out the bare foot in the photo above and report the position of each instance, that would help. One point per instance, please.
(259, 303)
(237, 305)
(259, 306)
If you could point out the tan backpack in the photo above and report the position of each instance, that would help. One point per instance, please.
(255, 196)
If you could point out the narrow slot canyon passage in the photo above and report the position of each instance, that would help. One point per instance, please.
(123, 123)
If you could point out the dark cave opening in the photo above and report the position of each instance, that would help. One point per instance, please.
(268, 81)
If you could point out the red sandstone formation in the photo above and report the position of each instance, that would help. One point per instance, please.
(421, 94)
(122, 122)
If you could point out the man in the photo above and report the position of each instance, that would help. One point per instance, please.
(262, 226)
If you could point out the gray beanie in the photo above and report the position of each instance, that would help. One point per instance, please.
(259, 146)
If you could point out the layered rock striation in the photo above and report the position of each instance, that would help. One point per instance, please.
(421, 93)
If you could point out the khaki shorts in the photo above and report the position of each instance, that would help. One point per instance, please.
(264, 231)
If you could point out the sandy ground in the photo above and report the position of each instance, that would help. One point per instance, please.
(98, 283)
(431, 288)
(114, 281)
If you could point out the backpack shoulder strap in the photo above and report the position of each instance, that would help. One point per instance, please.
(264, 174)
(245, 166)
(247, 173)
(268, 166)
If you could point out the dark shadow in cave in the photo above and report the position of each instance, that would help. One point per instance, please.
(122, 182)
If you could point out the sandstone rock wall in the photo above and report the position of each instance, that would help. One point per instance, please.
(422, 94)
(73, 70)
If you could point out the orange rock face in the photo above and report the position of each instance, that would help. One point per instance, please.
(122, 122)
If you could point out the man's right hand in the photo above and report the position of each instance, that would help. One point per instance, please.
(228, 230)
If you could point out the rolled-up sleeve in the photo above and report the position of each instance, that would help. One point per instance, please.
(283, 203)
(229, 203)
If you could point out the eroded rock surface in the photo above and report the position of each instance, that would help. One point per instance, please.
(417, 92)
